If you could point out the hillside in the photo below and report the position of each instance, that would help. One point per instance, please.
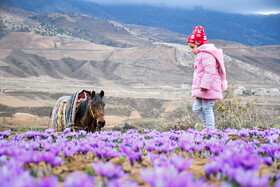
(92, 29)
(87, 48)
(265, 57)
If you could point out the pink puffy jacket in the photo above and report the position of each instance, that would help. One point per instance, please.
(209, 73)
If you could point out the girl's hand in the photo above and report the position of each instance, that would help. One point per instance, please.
(203, 89)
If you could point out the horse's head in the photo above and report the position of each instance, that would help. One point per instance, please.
(96, 108)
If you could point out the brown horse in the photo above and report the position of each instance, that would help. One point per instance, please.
(90, 113)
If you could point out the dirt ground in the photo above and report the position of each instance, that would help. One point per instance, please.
(15, 102)
(25, 119)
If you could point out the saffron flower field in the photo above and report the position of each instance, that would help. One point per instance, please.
(148, 158)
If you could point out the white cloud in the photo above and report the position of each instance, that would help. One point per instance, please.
(268, 12)
(232, 6)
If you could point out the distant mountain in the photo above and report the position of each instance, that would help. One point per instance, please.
(253, 30)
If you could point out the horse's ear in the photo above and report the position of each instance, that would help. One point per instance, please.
(102, 93)
(92, 94)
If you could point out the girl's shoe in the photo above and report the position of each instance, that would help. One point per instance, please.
(204, 129)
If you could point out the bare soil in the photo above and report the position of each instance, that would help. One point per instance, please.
(15, 102)
(25, 119)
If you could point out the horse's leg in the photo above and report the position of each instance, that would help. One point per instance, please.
(98, 128)
(91, 127)
(77, 123)
(84, 125)
(94, 125)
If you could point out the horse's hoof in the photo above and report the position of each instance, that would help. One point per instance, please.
(71, 124)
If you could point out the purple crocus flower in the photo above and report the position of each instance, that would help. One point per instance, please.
(185, 145)
(133, 156)
(137, 145)
(150, 145)
(70, 150)
(162, 161)
(56, 161)
(6, 133)
(146, 131)
(213, 167)
(198, 139)
(51, 158)
(3, 159)
(77, 179)
(250, 178)
(267, 161)
(118, 183)
(152, 156)
(159, 176)
(47, 182)
(82, 133)
(180, 163)
(67, 130)
(244, 132)
(32, 145)
(186, 179)
(108, 169)
(12, 174)
(270, 149)
(272, 138)
(166, 147)
(17, 137)
(225, 185)
(277, 184)
(256, 142)
(132, 131)
(49, 131)
(216, 149)
(105, 152)
(46, 144)
(250, 161)
(34, 157)
(277, 155)
(23, 180)
(169, 176)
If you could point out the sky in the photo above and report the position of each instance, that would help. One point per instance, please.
(229, 6)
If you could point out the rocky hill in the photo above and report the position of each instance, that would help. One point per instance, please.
(87, 48)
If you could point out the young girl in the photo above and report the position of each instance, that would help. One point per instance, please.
(209, 76)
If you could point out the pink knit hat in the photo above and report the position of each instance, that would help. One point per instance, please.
(198, 36)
